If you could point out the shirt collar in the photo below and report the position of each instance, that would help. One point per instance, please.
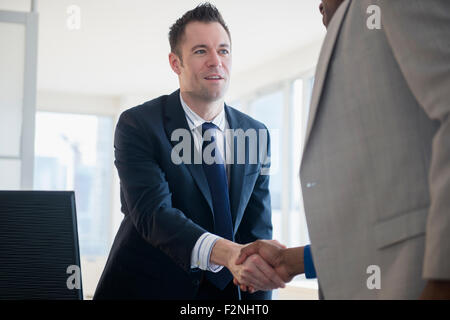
(194, 120)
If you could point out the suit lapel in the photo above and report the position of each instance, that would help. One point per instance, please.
(323, 63)
(237, 171)
(176, 119)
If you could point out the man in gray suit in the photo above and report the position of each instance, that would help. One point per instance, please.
(375, 173)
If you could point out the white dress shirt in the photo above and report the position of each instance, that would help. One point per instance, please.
(200, 256)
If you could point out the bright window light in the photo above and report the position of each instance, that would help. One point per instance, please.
(74, 152)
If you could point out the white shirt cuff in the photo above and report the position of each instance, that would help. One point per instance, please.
(201, 254)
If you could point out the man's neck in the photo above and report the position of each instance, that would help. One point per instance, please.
(207, 110)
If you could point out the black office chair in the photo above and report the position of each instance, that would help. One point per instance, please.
(39, 251)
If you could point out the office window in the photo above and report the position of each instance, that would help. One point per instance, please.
(302, 89)
(269, 110)
(74, 152)
(284, 109)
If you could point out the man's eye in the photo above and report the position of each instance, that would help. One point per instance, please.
(224, 51)
(201, 51)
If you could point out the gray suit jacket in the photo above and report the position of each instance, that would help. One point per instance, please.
(375, 172)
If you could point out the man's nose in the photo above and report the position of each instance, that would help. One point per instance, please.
(214, 60)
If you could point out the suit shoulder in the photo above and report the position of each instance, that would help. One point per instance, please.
(147, 113)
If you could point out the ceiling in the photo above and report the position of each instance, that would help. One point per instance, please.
(122, 47)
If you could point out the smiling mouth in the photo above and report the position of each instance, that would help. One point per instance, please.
(214, 77)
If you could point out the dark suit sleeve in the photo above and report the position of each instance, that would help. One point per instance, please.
(146, 195)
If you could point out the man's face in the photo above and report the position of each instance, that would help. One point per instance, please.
(205, 64)
(327, 9)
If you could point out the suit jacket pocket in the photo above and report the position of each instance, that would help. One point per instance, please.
(401, 228)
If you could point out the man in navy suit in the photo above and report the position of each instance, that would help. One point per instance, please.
(185, 220)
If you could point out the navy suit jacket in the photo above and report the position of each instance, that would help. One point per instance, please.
(167, 207)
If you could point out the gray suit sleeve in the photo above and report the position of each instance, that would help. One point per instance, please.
(419, 34)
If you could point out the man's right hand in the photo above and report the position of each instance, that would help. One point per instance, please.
(254, 271)
(287, 262)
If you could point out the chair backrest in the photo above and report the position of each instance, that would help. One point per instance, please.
(39, 251)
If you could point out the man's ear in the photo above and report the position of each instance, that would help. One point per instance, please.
(175, 63)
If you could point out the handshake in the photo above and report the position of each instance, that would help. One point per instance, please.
(260, 265)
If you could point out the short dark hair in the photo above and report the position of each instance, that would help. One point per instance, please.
(204, 12)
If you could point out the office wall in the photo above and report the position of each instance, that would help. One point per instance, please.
(18, 59)
(285, 67)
